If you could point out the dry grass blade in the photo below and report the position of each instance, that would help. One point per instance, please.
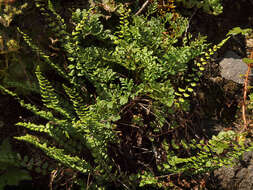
(246, 81)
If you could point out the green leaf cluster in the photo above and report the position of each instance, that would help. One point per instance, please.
(210, 6)
(222, 150)
(141, 59)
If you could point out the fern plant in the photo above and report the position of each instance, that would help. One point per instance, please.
(222, 150)
(143, 61)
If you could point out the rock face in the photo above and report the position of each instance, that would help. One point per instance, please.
(239, 177)
(232, 67)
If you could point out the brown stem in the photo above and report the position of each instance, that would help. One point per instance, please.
(142, 7)
(245, 123)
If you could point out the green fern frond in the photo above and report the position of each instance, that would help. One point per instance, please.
(44, 114)
(75, 163)
(58, 26)
(46, 58)
(49, 96)
(55, 22)
(77, 100)
(33, 127)
(193, 77)
(64, 136)
(27, 87)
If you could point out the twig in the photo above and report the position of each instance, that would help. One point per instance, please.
(126, 124)
(148, 111)
(142, 7)
(245, 124)
(188, 25)
(244, 99)
(123, 184)
(52, 177)
(166, 176)
(88, 182)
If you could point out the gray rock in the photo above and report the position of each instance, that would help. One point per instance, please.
(241, 174)
(232, 67)
(246, 183)
(247, 156)
(250, 170)
(226, 177)
(238, 177)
